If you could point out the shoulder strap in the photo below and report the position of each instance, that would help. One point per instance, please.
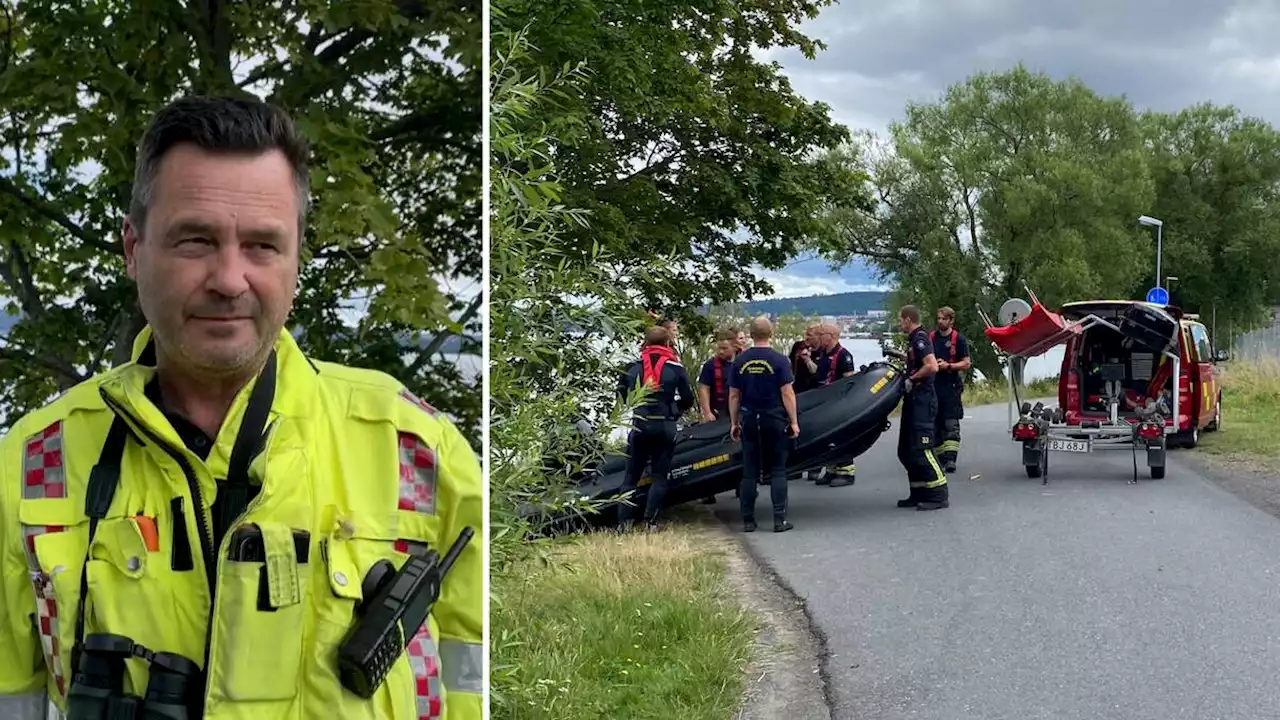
(104, 478)
(236, 492)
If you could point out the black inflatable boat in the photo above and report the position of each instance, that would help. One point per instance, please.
(838, 421)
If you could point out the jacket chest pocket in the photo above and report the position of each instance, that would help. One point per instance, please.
(411, 686)
(264, 594)
(134, 592)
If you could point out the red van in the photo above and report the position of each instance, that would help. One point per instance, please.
(1080, 392)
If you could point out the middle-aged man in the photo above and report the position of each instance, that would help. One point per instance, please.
(915, 437)
(836, 362)
(222, 500)
(762, 412)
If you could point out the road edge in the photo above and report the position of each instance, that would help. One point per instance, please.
(771, 686)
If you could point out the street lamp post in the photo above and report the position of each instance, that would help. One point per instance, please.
(1159, 226)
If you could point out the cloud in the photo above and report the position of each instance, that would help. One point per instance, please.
(1162, 55)
(791, 284)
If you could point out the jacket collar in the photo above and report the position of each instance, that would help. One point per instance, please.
(124, 389)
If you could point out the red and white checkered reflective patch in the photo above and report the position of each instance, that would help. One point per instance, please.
(42, 471)
(424, 658)
(417, 475)
(47, 623)
(419, 402)
(46, 605)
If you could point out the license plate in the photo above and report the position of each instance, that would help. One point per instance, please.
(1076, 446)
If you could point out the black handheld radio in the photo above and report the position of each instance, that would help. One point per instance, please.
(396, 604)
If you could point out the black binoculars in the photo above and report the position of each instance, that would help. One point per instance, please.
(174, 692)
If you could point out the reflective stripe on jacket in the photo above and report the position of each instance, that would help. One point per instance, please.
(350, 456)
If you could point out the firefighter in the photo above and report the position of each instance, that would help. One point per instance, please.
(762, 415)
(919, 408)
(119, 500)
(652, 439)
(716, 378)
(951, 350)
(835, 362)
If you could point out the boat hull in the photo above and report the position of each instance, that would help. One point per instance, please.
(837, 422)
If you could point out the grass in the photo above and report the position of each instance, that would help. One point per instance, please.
(987, 392)
(625, 626)
(1250, 413)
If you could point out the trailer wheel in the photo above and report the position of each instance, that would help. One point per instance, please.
(1157, 472)
(1033, 471)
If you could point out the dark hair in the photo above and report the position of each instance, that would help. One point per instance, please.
(726, 334)
(222, 125)
(910, 312)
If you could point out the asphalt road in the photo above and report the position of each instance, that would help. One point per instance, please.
(1089, 598)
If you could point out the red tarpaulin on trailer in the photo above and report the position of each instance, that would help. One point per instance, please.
(1033, 334)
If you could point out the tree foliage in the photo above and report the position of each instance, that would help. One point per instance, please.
(1217, 175)
(687, 146)
(553, 322)
(387, 91)
(1014, 177)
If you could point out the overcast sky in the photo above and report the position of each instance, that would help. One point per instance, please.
(1161, 54)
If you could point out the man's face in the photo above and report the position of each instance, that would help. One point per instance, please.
(810, 336)
(741, 340)
(904, 324)
(217, 262)
(725, 349)
(673, 329)
(944, 323)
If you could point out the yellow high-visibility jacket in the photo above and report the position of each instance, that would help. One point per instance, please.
(350, 456)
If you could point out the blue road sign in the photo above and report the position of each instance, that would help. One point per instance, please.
(1158, 296)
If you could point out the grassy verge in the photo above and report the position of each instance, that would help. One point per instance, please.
(1250, 413)
(987, 392)
(625, 626)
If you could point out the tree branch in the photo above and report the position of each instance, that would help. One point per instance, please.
(50, 212)
(22, 284)
(443, 336)
(15, 351)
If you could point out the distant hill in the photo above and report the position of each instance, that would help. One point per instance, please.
(850, 303)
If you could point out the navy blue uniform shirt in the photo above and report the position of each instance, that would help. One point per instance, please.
(760, 373)
(843, 363)
(951, 347)
(708, 376)
(918, 347)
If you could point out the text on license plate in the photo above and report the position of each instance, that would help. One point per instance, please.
(1079, 446)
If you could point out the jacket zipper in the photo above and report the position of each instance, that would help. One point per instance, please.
(202, 522)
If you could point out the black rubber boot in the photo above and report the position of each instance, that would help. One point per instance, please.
(933, 505)
(908, 502)
(841, 480)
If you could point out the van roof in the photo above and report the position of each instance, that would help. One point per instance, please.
(1079, 309)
